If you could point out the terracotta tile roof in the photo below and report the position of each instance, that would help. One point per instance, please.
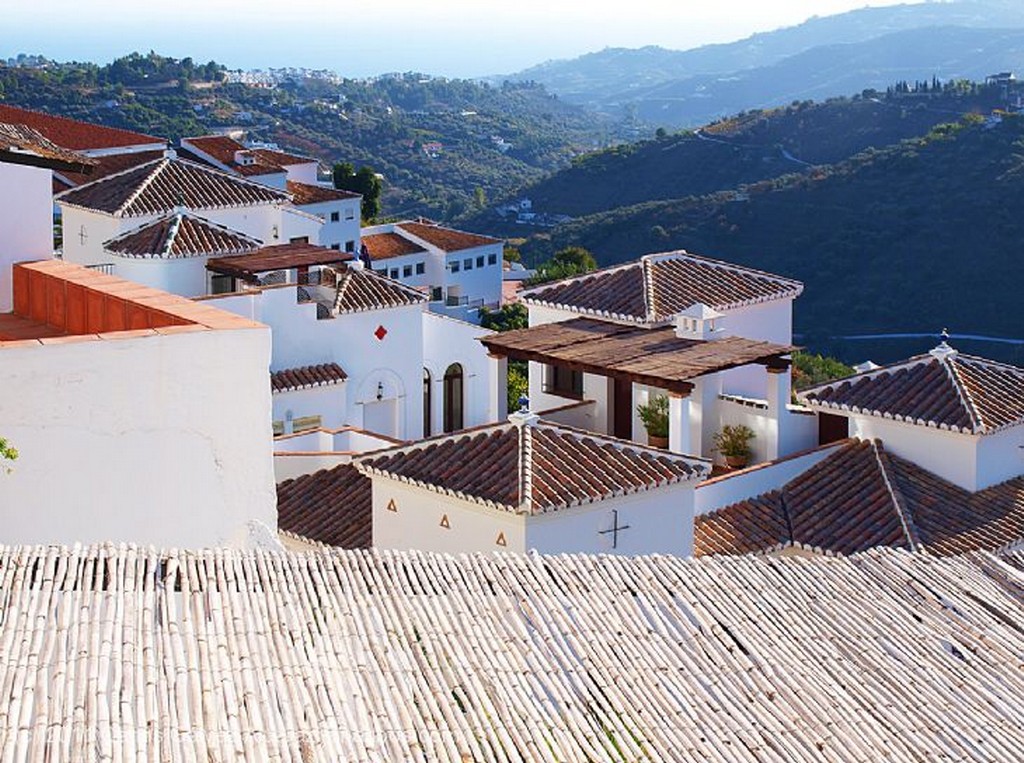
(861, 497)
(532, 468)
(335, 655)
(278, 257)
(944, 388)
(658, 286)
(360, 290)
(180, 234)
(166, 184)
(384, 246)
(264, 161)
(304, 193)
(446, 239)
(107, 165)
(332, 506)
(73, 134)
(20, 144)
(646, 355)
(304, 377)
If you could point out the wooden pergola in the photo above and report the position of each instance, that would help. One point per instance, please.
(297, 256)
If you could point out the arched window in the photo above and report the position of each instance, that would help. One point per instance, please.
(453, 398)
(427, 423)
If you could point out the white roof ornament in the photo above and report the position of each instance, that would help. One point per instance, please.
(524, 416)
(943, 351)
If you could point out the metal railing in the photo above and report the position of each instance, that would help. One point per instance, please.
(103, 267)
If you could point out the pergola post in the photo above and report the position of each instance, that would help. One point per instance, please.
(679, 439)
(497, 393)
(640, 397)
(778, 399)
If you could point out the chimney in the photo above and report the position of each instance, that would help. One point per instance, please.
(699, 321)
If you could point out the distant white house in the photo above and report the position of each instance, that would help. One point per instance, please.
(460, 271)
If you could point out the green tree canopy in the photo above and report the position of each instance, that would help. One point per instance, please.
(365, 182)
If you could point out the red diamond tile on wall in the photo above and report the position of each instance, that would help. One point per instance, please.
(380, 333)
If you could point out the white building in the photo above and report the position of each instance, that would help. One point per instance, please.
(460, 271)
(138, 416)
(358, 349)
(264, 165)
(712, 336)
(149, 198)
(512, 486)
(959, 416)
(339, 211)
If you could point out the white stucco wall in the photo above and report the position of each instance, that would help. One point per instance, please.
(659, 522)
(26, 221)
(394, 268)
(479, 282)
(447, 341)
(185, 276)
(344, 230)
(417, 522)
(1000, 456)
(329, 402)
(154, 439)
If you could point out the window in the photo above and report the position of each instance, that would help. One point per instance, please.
(350, 213)
(467, 264)
(299, 240)
(455, 266)
(350, 246)
(394, 273)
(221, 284)
(480, 261)
(335, 217)
(336, 247)
(406, 271)
(420, 268)
(453, 398)
(564, 382)
(492, 259)
(426, 403)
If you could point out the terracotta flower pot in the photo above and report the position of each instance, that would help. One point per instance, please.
(657, 442)
(736, 462)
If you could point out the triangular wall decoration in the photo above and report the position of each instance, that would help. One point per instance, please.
(444, 521)
(392, 506)
(501, 540)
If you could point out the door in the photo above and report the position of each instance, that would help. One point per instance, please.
(622, 409)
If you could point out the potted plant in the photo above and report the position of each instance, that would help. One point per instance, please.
(654, 415)
(733, 442)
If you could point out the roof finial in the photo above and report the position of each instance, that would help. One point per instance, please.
(943, 350)
(524, 416)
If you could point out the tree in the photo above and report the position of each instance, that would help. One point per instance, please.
(365, 182)
(575, 257)
(809, 370)
(510, 317)
(7, 452)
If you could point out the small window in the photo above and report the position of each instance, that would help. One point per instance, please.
(335, 217)
(455, 266)
(299, 240)
(467, 264)
(278, 428)
(350, 213)
(564, 382)
(420, 268)
(406, 271)
(350, 246)
(492, 259)
(480, 261)
(336, 247)
(394, 273)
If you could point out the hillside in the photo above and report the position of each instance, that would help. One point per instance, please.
(753, 146)
(911, 238)
(649, 82)
(435, 140)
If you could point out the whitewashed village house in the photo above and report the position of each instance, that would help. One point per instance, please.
(460, 271)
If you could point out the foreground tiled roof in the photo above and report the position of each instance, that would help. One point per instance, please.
(73, 134)
(532, 468)
(384, 246)
(180, 234)
(338, 655)
(166, 184)
(860, 497)
(360, 290)
(446, 239)
(109, 164)
(654, 356)
(332, 506)
(304, 377)
(659, 286)
(304, 193)
(20, 144)
(944, 389)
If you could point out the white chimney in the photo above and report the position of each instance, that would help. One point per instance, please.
(699, 321)
(244, 158)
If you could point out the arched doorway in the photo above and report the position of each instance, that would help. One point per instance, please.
(453, 397)
(428, 428)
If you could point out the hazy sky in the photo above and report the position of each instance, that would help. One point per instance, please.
(446, 37)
